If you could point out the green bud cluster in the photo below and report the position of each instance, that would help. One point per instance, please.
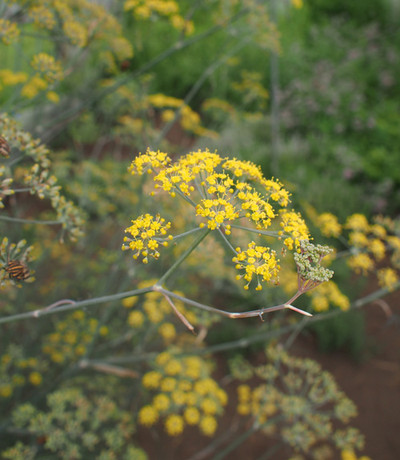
(308, 262)
(75, 426)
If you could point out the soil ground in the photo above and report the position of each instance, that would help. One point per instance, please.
(374, 384)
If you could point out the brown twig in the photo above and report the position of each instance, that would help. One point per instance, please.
(184, 320)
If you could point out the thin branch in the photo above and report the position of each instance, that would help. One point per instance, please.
(275, 234)
(226, 241)
(233, 315)
(179, 314)
(59, 303)
(73, 305)
(30, 221)
(182, 235)
(263, 336)
(108, 369)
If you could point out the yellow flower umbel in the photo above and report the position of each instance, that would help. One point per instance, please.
(328, 294)
(147, 233)
(224, 193)
(294, 229)
(18, 370)
(42, 16)
(357, 222)
(186, 395)
(71, 337)
(47, 67)
(329, 225)
(9, 31)
(147, 162)
(361, 263)
(387, 278)
(257, 261)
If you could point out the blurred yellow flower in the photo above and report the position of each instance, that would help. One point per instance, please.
(35, 378)
(191, 415)
(387, 278)
(174, 424)
(129, 302)
(53, 97)
(297, 3)
(136, 319)
(208, 425)
(148, 416)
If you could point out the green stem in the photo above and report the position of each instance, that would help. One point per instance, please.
(65, 305)
(260, 232)
(226, 241)
(183, 256)
(30, 221)
(189, 232)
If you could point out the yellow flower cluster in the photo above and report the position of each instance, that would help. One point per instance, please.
(189, 119)
(370, 243)
(388, 278)
(256, 208)
(218, 104)
(17, 371)
(71, 337)
(76, 32)
(357, 222)
(226, 191)
(9, 31)
(121, 48)
(220, 209)
(42, 16)
(144, 9)
(146, 234)
(296, 394)
(252, 89)
(81, 22)
(10, 78)
(146, 162)
(185, 395)
(328, 294)
(33, 87)
(294, 229)
(257, 261)
(329, 225)
(297, 3)
(252, 402)
(47, 67)
(361, 263)
(349, 454)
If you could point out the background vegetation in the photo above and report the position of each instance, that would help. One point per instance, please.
(94, 360)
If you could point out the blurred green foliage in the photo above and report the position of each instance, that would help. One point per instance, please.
(339, 152)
